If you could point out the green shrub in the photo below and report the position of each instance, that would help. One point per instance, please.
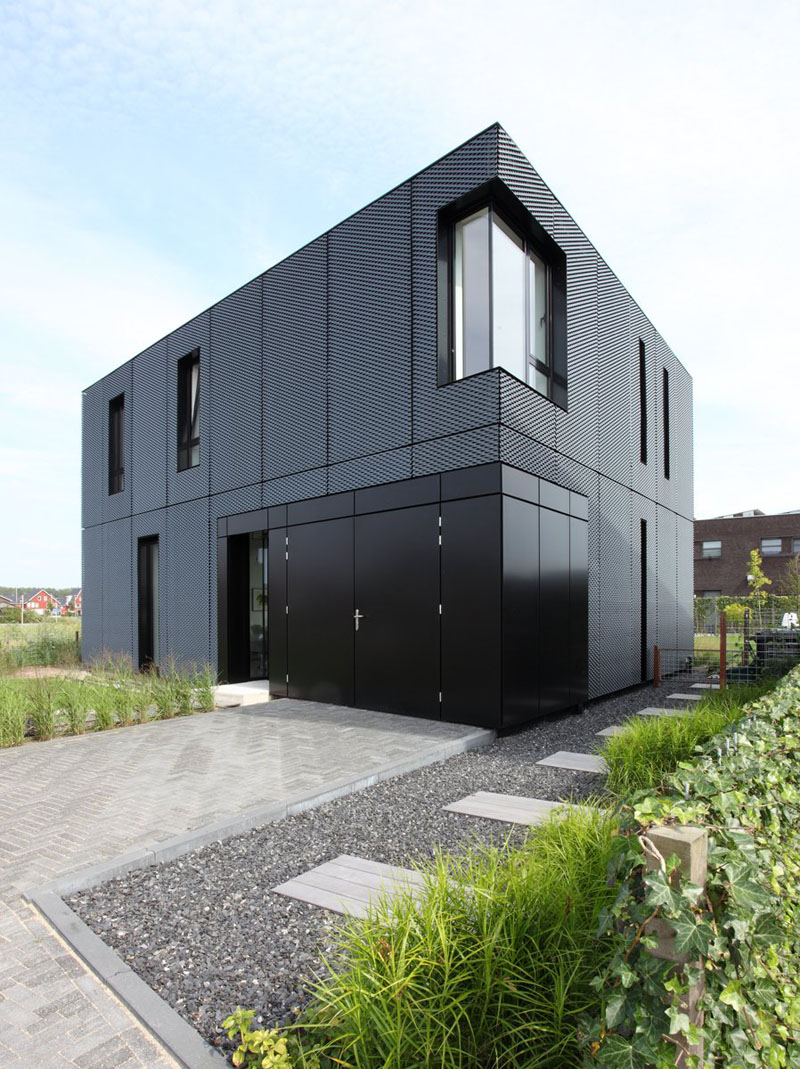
(492, 966)
(43, 701)
(262, 1048)
(745, 789)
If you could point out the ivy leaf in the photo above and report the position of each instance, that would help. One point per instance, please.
(615, 1009)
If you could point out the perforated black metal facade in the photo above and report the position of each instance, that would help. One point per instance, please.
(323, 376)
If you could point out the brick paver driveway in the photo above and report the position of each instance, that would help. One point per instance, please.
(72, 803)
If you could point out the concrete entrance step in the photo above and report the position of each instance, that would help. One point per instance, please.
(350, 884)
(510, 808)
(612, 729)
(232, 695)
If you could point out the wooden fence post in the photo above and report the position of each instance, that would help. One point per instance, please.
(656, 666)
(690, 845)
(723, 648)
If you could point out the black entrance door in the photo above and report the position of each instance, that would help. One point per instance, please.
(397, 601)
(320, 618)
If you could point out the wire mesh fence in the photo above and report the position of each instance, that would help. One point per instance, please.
(739, 651)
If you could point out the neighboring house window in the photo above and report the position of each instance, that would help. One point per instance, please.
(770, 547)
(711, 549)
(665, 417)
(711, 593)
(189, 411)
(796, 545)
(501, 302)
(116, 444)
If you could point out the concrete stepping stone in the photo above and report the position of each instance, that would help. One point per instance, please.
(612, 729)
(705, 686)
(350, 884)
(685, 697)
(652, 711)
(576, 762)
(510, 808)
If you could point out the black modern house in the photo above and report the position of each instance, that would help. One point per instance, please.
(437, 462)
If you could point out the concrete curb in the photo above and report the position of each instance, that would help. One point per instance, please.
(168, 1027)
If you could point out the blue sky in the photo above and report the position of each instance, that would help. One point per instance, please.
(155, 154)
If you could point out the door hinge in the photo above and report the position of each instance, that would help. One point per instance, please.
(287, 610)
(440, 697)
(440, 609)
(287, 678)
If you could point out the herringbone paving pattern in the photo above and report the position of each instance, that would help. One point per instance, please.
(72, 803)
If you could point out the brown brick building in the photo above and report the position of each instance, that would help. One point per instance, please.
(722, 550)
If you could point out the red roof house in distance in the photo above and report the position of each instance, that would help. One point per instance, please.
(41, 602)
(73, 603)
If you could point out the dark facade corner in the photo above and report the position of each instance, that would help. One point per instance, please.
(436, 462)
(722, 550)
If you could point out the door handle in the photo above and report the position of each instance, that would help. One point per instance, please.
(358, 616)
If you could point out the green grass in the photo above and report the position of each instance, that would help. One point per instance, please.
(492, 967)
(45, 706)
(42, 644)
(650, 748)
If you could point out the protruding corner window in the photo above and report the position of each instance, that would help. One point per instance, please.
(189, 411)
(502, 306)
(116, 444)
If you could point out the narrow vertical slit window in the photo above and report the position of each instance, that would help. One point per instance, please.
(665, 417)
(116, 444)
(148, 598)
(642, 404)
(643, 597)
(189, 411)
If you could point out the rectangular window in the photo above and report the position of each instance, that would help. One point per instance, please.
(665, 417)
(795, 546)
(148, 599)
(189, 411)
(710, 593)
(501, 302)
(711, 549)
(770, 547)
(116, 444)
(643, 644)
(642, 404)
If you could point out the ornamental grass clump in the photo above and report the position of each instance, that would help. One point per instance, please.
(75, 705)
(492, 966)
(13, 714)
(102, 702)
(650, 748)
(43, 701)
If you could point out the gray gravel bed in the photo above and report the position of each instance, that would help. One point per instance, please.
(205, 932)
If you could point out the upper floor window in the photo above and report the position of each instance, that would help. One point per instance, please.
(642, 403)
(770, 547)
(501, 302)
(189, 411)
(116, 444)
(665, 419)
(711, 549)
(795, 546)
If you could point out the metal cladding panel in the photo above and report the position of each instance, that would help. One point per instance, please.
(92, 583)
(615, 356)
(235, 386)
(520, 609)
(524, 410)
(370, 471)
(94, 470)
(295, 362)
(684, 557)
(115, 506)
(553, 647)
(665, 488)
(525, 453)
(618, 665)
(185, 571)
(523, 180)
(682, 445)
(295, 487)
(148, 525)
(643, 475)
(369, 329)
(577, 431)
(148, 450)
(473, 401)
(192, 483)
(591, 487)
(667, 579)
(480, 446)
(117, 586)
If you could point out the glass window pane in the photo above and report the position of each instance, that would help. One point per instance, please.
(195, 397)
(540, 382)
(711, 549)
(537, 308)
(508, 299)
(770, 547)
(471, 295)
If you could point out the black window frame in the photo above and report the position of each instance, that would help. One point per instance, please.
(642, 402)
(665, 419)
(496, 196)
(188, 455)
(116, 444)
